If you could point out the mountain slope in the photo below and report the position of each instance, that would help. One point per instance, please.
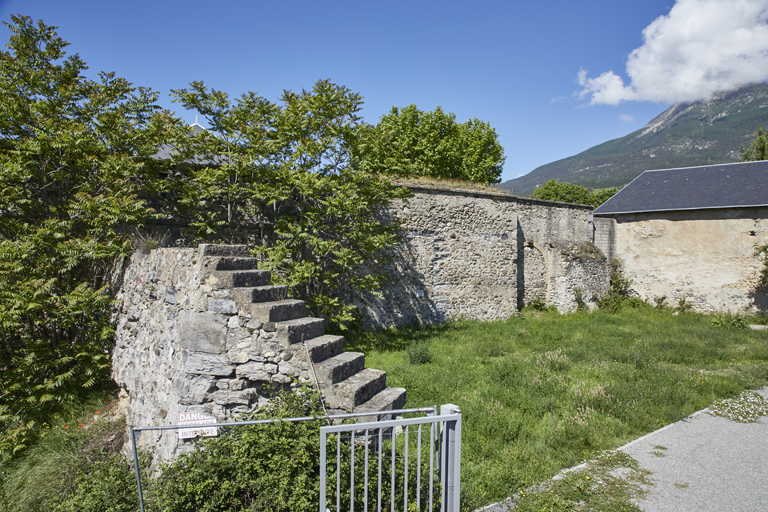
(685, 135)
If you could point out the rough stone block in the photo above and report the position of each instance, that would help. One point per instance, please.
(252, 371)
(230, 263)
(203, 332)
(192, 389)
(238, 278)
(222, 250)
(388, 399)
(338, 368)
(357, 389)
(278, 311)
(206, 364)
(294, 331)
(321, 348)
(223, 306)
(244, 397)
(268, 293)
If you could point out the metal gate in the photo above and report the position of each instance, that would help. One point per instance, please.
(393, 464)
(424, 458)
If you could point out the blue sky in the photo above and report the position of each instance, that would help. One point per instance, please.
(514, 64)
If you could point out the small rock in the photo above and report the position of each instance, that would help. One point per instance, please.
(223, 306)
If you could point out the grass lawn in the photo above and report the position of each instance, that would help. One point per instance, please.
(543, 392)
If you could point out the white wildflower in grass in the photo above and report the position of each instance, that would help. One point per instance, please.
(745, 408)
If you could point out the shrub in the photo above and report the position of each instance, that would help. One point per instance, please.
(418, 353)
(272, 466)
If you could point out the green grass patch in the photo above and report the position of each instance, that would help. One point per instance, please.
(543, 392)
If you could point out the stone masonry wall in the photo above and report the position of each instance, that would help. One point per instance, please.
(482, 255)
(203, 331)
(706, 257)
(183, 345)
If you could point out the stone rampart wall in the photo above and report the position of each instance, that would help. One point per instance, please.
(182, 344)
(482, 255)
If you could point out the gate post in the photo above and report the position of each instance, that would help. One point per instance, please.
(450, 460)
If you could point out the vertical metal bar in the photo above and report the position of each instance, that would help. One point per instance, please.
(338, 471)
(432, 429)
(457, 463)
(322, 471)
(136, 467)
(365, 495)
(418, 470)
(441, 471)
(405, 478)
(381, 463)
(352, 471)
(392, 490)
(450, 459)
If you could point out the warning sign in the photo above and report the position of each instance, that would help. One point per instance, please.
(196, 418)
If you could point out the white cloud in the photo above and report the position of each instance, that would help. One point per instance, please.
(699, 48)
(626, 118)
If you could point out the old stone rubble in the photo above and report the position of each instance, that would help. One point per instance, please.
(202, 330)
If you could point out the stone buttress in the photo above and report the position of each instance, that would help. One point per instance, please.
(203, 330)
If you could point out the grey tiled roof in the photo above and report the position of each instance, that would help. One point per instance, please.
(693, 188)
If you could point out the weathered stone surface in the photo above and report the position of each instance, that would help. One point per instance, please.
(193, 389)
(357, 389)
(278, 311)
(267, 293)
(253, 371)
(197, 363)
(301, 329)
(223, 306)
(253, 324)
(244, 397)
(203, 332)
(321, 348)
(706, 257)
(222, 250)
(339, 367)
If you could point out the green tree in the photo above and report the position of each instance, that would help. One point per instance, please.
(410, 142)
(285, 171)
(758, 149)
(553, 190)
(75, 162)
(602, 195)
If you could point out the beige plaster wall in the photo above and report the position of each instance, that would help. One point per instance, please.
(707, 256)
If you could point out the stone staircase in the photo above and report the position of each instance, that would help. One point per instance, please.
(342, 377)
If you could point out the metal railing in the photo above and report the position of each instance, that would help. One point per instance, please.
(401, 448)
(451, 431)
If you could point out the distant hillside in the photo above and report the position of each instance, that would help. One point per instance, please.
(685, 135)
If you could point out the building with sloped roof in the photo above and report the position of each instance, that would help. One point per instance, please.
(691, 234)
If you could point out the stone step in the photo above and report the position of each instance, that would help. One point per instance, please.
(337, 368)
(321, 348)
(230, 263)
(278, 311)
(298, 330)
(239, 278)
(247, 295)
(357, 389)
(388, 399)
(222, 250)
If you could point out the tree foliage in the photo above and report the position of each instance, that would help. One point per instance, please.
(286, 172)
(758, 149)
(75, 162)
(553, 190)
(410, 142)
